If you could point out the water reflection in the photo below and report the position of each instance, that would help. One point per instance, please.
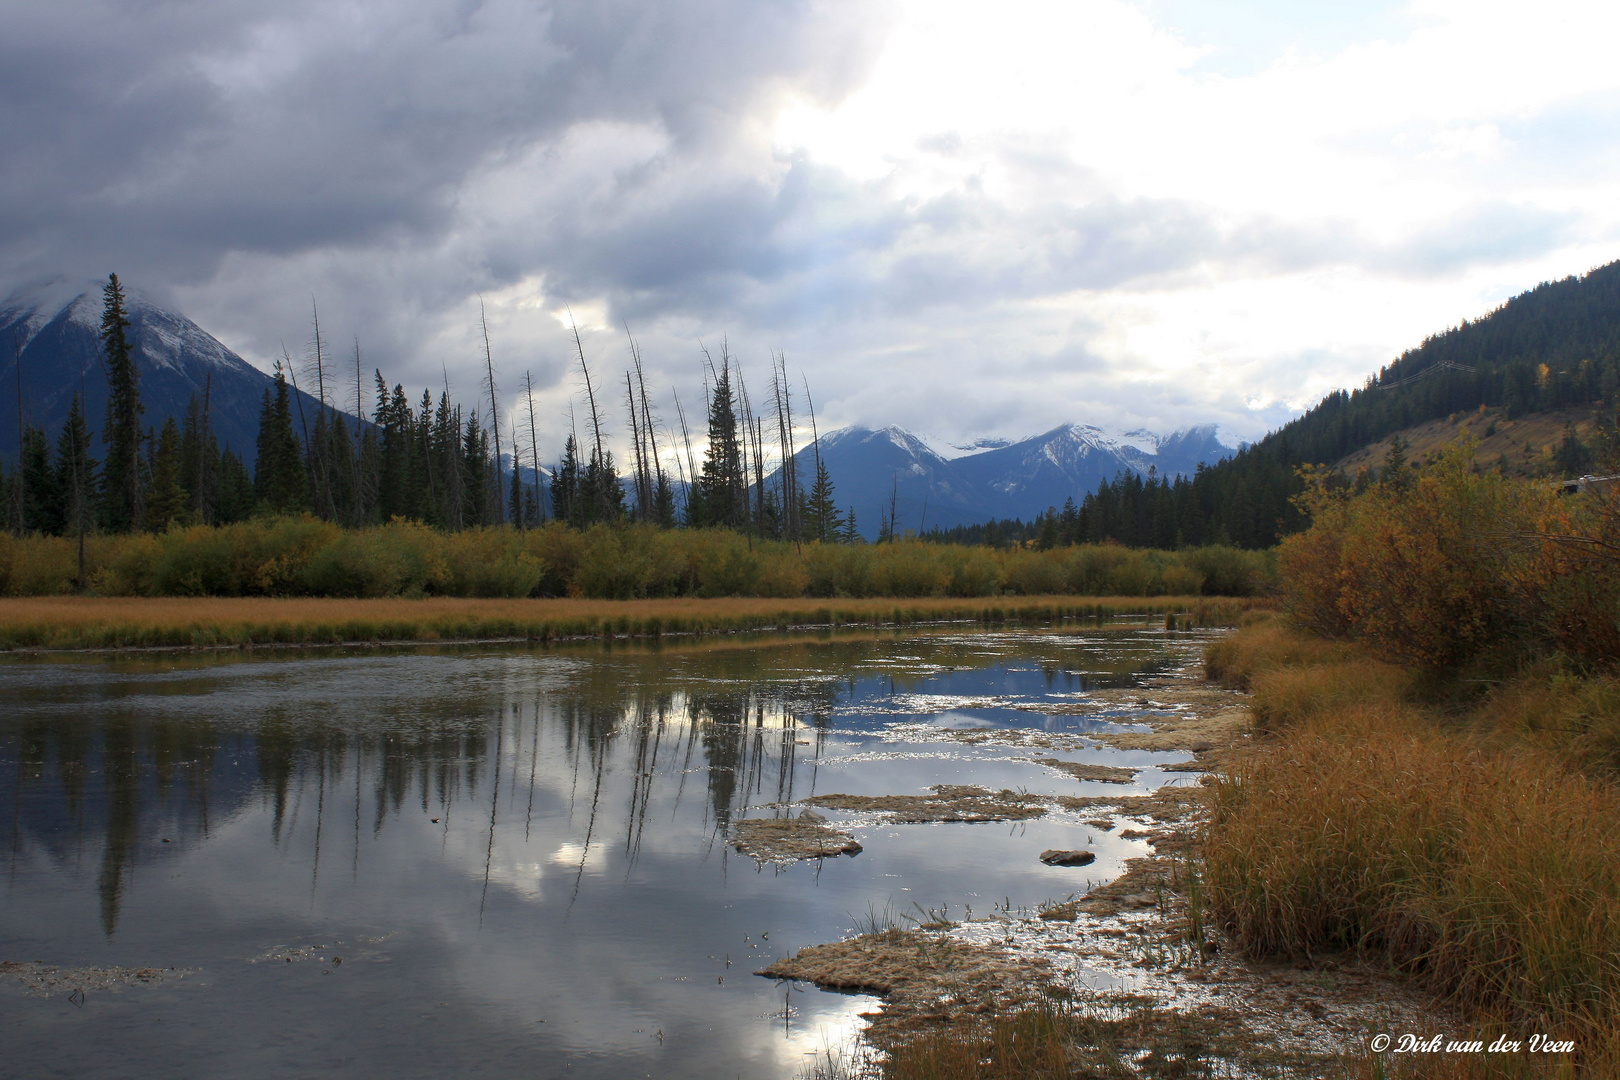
(533, 840)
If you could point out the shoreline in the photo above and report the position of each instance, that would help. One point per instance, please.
(42, 625)
(1137, 957)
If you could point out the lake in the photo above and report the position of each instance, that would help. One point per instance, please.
(511, 861)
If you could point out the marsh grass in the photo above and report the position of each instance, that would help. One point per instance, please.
(1456, 846)
(202, 622)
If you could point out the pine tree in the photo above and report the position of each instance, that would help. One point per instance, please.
(199, 463)
(168, 501)
(821, 520)
(234, 497)
(721, 494)
(123, 504)
(75, 471)
(474, 467)
(600, 492)
(43, 507)
(565, 486)
(278, 475)
(850, 534)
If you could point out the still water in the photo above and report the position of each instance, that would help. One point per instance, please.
(510, 861)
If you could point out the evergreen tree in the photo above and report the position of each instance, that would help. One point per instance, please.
(821, 521)
(515, 505)
(279, 476)
(721, 494)
(565, 486)
(168, 501)
(600, 493)
(664, 502)
(1395, 473)
(474, 468)
(199, 464)
(446, 464)
(44, 509)
(123, 503)
(75, 472)
(1572, 457)
(234, 497)
(850, 534)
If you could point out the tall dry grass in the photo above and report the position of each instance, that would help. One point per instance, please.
(1430, 839)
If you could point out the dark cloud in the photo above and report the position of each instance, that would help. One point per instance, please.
(169, 134)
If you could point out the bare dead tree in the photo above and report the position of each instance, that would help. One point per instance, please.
(19, 489)
(690, 474)
(649, 427)
(494, 415)
(517, 480)
(303, 422)
(318, 450)
(359, 515)
(639, 461)
(534, 451)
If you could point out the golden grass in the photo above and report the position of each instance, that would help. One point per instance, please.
(1438, 842)
(114, 622)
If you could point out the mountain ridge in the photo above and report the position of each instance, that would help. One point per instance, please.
(51, 331)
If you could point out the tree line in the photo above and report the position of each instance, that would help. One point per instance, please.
(434, 461)
(1554, 347)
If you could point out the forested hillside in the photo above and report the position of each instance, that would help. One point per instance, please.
(1554, 347)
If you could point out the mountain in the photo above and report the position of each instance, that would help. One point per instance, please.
(995, 478)
(53, 330)
(1553, 350)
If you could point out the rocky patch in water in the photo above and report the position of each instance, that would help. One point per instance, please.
(1107, 774)
(924, 977)
(48, 980)
(948, 802)
(786, 839)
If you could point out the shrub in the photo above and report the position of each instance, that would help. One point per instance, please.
(487, 562)
(1034, 573)
(1229, 571)
(401, 558)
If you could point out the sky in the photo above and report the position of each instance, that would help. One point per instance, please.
(971, 220)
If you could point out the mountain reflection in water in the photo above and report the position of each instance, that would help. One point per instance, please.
(520, 854)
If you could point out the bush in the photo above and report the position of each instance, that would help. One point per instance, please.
(487, 562)
(1448, 567)
(302, 556)
(402, 558)
(1229, 571)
